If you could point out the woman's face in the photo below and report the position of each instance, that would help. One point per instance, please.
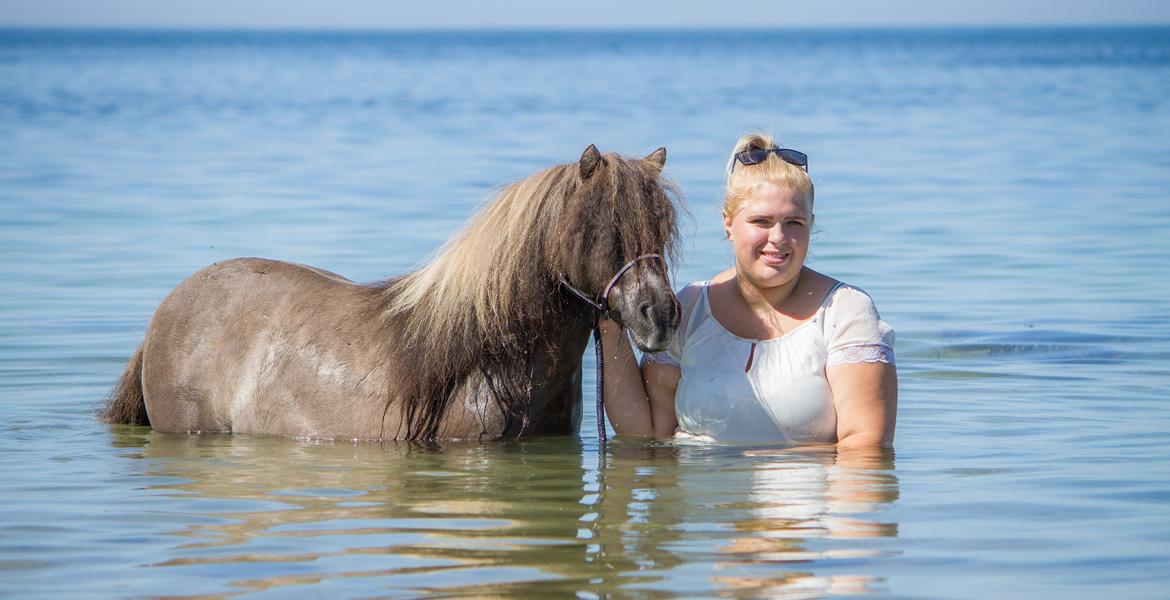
(770, 235)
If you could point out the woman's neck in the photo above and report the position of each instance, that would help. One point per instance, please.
(766, 299)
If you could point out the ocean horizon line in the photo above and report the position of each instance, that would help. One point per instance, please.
(503, 29)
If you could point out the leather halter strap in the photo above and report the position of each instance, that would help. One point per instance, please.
(601, 305)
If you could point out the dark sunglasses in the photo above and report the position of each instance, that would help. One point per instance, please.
(755, 156)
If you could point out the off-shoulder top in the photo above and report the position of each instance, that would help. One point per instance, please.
(745, 391)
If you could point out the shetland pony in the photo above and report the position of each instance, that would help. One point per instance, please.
(483, 342)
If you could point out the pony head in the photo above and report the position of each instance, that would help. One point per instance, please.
(493, 299)
(496, 284)
(620, 212)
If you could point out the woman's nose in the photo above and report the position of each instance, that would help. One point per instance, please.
(776, 233)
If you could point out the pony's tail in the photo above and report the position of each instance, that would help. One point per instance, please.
(125, 404)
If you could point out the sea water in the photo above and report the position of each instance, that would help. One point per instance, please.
(1004, 195)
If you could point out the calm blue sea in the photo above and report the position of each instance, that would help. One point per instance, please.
(1004, 195)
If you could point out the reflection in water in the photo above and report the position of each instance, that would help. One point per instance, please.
(738, 521)
(260, 514)
(803, 497)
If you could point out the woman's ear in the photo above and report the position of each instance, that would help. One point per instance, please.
(727, 225)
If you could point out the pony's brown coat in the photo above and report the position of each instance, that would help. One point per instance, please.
(481, 342)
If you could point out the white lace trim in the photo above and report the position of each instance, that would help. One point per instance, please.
(869, 353)
(661, 358)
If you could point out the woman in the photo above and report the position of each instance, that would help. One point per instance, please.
(769, 351)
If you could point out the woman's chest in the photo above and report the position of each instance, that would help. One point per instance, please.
(732, 388)
(750, 326)
(800, 353)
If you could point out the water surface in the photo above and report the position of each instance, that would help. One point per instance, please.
(1002, 194)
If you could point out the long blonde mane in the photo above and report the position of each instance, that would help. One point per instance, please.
(477, 277)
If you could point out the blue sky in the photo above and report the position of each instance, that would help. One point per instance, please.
(390, 14)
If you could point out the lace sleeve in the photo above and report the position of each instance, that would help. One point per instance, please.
(869, 353)
(855, 332)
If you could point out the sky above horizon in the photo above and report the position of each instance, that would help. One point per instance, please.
(375, 14)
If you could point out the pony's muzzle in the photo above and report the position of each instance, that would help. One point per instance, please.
(655, 325)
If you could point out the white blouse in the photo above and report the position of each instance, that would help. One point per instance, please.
(744, 391)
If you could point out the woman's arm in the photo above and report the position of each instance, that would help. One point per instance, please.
(639, 401)
(866, 397)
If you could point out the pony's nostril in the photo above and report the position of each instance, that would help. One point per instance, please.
(646, 311)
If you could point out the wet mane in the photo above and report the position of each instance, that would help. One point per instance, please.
(489, 301)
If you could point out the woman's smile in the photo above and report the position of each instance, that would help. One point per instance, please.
(775, 258)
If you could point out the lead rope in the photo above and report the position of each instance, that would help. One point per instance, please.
(599, 355)
(602, 439)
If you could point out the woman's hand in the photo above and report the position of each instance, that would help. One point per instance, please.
(638, 402)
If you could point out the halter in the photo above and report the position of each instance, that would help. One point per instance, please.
(601, 305)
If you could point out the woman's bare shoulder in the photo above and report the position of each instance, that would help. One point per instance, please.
(817, 284)
(723, 277)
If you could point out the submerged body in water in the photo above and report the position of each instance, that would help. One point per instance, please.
(482, 343)
(773, 391)
(817, 360)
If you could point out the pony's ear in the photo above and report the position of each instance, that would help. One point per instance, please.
(657, 158)
(590, 158)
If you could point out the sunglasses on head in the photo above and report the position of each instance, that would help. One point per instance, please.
(755, 156)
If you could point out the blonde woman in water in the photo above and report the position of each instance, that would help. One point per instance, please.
(768, 351)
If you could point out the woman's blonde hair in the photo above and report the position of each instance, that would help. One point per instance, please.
(742, 180)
